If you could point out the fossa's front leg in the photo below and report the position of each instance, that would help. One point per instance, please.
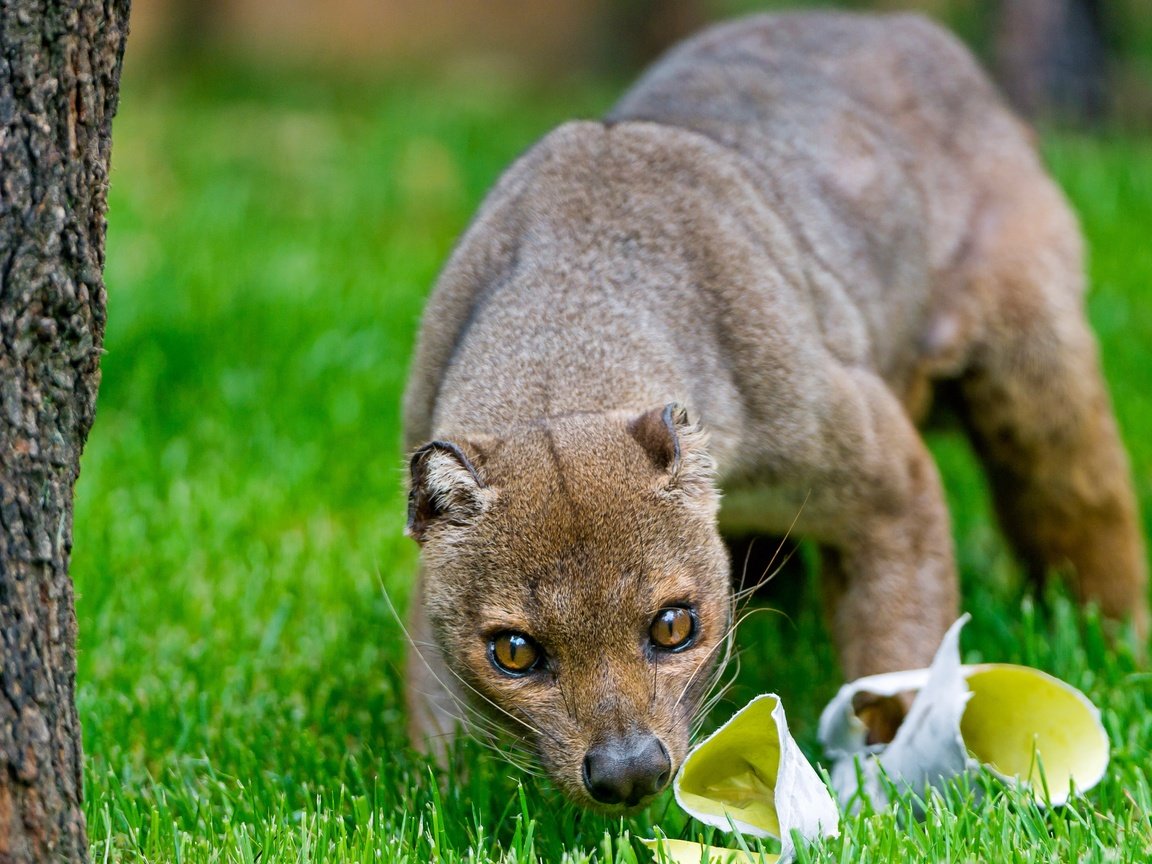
(889, 573)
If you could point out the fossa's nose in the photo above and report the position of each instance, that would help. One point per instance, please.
(627, 770)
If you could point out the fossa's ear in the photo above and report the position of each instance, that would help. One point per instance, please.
(445, 488)
(677, 446)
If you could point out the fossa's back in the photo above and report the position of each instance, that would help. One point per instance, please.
(875, 137)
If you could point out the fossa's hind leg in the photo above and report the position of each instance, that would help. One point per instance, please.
(1039, 412)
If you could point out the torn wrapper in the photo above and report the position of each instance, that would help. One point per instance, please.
(669, 851)
(750, 774)
(1022, 724)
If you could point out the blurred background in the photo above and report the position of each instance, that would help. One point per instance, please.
(287, 178)
(1083, 59)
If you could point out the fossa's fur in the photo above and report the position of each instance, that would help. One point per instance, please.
(793, 226)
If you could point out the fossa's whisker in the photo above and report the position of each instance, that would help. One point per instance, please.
(769, 574)
(456, 675)
(727, 641)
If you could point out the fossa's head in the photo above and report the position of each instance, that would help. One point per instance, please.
(578, 589)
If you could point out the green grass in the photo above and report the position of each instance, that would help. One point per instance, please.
(240, 509)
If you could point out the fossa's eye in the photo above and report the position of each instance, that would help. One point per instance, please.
(673, 628)
(514, 653)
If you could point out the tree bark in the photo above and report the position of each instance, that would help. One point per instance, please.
(59, 81)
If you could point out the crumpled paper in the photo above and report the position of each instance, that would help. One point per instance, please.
(752, 776)
(1019, 723)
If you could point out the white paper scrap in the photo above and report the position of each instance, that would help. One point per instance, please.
(1011, 719)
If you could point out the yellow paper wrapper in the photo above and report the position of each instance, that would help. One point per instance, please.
(751, 774)
(1019, 723)
(1014, 720)
(1021, 719)
(686, 852)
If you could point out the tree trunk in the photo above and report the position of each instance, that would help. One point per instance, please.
(59, 80)
(1051, 58)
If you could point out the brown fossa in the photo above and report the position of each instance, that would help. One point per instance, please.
(747, 278)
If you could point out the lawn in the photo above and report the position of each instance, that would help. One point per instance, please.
(239, 517)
